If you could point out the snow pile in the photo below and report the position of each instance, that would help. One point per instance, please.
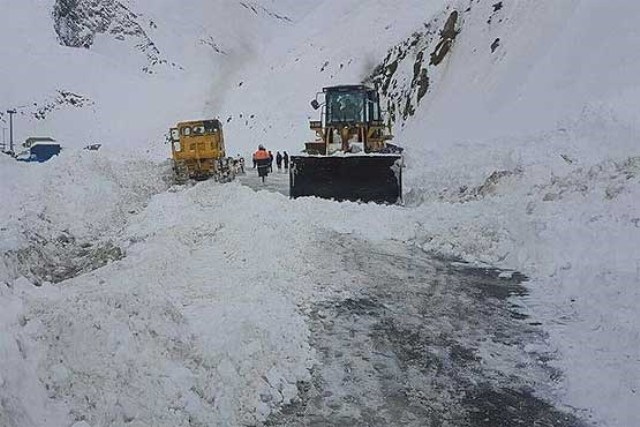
(196, 324)
(197, 320)
(61, 207)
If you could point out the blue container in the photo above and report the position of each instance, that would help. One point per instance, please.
(42, 152)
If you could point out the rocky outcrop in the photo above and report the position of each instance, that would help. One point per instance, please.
(63, 98)
(42, 109)
(77, 22)
(258, 9)
(404, 75)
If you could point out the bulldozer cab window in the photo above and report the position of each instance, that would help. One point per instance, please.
(174, 135)
(210, 126)
(198, 130)
(345, 107)
(373, 109)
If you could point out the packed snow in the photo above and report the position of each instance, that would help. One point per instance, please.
(126, 300)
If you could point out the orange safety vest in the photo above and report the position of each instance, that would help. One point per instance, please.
(261, 155)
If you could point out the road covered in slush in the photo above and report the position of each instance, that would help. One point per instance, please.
(419, 340)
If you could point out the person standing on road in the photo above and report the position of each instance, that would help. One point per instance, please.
(240, 163)
(279, 161)
(263, 161)
(285, 157)
(270, 161)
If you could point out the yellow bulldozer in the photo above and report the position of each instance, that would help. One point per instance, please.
(352, 157)
(198, 151)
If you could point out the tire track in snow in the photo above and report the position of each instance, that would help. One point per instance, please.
(277, 182)
(423, 342)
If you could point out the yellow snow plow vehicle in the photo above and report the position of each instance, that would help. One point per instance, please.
(198, 151)
(352, 157)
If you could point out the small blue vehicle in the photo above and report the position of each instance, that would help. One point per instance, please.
(39, 149)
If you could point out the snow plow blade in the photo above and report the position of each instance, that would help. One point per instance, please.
(366, 178)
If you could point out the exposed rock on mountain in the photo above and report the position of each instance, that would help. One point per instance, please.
(78, 22)
(404, 84)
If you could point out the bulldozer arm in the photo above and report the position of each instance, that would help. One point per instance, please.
(366, 178)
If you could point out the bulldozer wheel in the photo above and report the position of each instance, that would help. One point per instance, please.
(180, 173)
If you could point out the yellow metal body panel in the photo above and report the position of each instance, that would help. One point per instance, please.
(351, 117)
(373, 136)
(199, 148)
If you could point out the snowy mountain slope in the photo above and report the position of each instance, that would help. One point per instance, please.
(519, 88)
(138, 66)
(77, 24)
(338, 42)
(550, 109)
(552, 75)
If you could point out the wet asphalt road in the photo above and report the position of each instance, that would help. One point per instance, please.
(277, 182)
(421, 341)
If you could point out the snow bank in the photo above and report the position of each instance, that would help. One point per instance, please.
(533, 150)
(74, 199)
(200, 320)
(196, 324)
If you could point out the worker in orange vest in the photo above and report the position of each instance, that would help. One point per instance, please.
(263, 160)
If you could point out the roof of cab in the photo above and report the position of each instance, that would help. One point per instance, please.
(345, 88)
(216, 123)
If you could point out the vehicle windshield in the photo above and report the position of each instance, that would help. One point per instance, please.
(211, 126)
(208, 127)
(345, 107)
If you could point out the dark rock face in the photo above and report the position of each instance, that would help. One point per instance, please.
(77, 22)
(259, 9)
(495, 45)
(68, 26)
(447, 36)
(63, 98)
(404, 77)
(411, 69)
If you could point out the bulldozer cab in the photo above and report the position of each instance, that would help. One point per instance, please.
(351, 105)
(351, 158)
(194, 139)
(198, 149)
(351, 121)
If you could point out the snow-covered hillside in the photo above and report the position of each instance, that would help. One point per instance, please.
(163, 305)
(121, 72)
